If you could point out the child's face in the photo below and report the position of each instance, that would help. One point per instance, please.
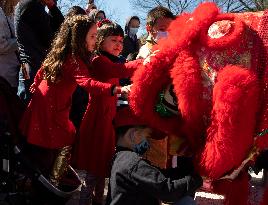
(112, 45)
(161, 24)
(91, 38)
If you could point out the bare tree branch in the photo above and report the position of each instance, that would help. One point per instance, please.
(176, 6)
(112, 14)
(242, 5)
(65, 5)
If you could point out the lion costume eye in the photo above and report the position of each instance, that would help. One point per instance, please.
(167, 104)
(220, 28)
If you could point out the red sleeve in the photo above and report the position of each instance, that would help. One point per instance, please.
(83, 79)
(104, 66)
(94, 87)
(39, 76)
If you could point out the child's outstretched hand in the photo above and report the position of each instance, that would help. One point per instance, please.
(125, 90)
(207, 185)
(33, 88)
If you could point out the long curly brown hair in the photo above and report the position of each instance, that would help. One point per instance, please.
(70, 40)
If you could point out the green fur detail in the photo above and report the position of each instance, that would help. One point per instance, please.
(160, 108)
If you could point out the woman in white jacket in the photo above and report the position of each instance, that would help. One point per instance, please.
(9, 63)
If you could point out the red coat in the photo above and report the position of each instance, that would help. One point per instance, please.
(46, 120)
(97, 138)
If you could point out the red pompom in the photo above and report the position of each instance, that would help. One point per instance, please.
(102, 22)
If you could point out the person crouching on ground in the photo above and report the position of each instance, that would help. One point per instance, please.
(134, 180)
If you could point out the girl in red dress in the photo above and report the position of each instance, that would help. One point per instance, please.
(96, 137)
(50, 134)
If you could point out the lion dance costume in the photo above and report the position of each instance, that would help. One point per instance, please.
(216, 65)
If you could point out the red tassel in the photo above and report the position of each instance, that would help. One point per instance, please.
(236, 192)
(230, 135)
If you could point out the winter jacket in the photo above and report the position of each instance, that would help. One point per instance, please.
(134, 181)
(96, 135)
(131, 45)
(46, 120)
(9, 64)
(35, 29)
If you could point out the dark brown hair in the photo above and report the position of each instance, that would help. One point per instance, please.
(107, 28)
(70, 40)
(156, 13)
(75, 10)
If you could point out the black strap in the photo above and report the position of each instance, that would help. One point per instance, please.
(12, 36)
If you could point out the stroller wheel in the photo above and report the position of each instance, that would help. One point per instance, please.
(48, 193)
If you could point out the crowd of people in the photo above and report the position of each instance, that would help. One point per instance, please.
(73, 75)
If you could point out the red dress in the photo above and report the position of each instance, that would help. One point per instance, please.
(97, 138)
(46, 121)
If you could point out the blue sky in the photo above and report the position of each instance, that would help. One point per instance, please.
(116, 10)
(121, 10)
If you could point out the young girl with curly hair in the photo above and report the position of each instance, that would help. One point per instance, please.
(50, 134)
(97, 137)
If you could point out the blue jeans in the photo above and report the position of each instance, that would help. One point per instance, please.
(187, 200)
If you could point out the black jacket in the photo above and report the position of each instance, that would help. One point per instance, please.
(130, 48)
(134, 181)
(35, 29)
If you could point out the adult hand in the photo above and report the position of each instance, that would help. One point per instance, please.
(148, 59)
(125, 91)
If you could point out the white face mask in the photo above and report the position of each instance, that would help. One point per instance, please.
(160, 35)
(133, 31)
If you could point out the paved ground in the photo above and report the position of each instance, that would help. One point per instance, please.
(257, 186)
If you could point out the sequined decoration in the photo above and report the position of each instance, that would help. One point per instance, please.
(264, 132)
(60, 165)
(263, 69)
(212, 60)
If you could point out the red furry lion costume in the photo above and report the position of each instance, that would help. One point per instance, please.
(217, 65)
